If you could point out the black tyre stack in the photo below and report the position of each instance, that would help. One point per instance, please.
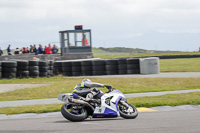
(122, 66)
(133, 66)
(111, 67)
(57, 68)
(9, 69)
(22, 69)
(67, 68)
(98, 67)
(86, 67)
(0, 71)
(43, 68)
(50, 68)
(33, 69)
(76, 68)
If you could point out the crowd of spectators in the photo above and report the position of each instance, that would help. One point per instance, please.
(33, 49)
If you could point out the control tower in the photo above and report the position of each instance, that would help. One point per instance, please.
(77, 41)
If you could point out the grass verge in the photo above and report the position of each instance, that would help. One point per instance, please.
(31, 109)
(109, 55)
(60, 85)
(180, 65)
(166, 100)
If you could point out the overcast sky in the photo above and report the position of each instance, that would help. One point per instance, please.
(147, 24)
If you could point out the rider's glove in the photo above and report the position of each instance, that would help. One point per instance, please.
(108, 87)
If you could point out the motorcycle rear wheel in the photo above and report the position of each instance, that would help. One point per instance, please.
(128, 115)
(66, 112)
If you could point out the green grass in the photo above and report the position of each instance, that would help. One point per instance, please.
(31, 109)
(180, 65)
(98, 53)
(166, 100)
(60, 85)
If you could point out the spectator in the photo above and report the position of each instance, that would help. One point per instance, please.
(1, 52)
(27, 50)
(8, 50)
(31, 49)
(17, 51)
(40, 49)
(48, 49)
(84, 41)
(20, 52)
(55, 49)
(44, 52)
(35, 50)
(24, 50)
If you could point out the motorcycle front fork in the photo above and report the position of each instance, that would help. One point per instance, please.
(124, 103)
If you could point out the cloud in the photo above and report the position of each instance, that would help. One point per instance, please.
(108, 19)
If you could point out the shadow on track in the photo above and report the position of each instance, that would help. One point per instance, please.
(93, 119)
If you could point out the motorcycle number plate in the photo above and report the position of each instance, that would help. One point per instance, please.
(99, 110)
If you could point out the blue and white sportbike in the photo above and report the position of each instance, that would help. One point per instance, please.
(109, 105)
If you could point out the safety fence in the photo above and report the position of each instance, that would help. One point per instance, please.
(34, 69)
(97, 67)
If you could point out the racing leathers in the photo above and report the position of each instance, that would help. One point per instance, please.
(89, 91)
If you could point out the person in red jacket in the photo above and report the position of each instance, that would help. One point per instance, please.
(48, 50)
(24, 50)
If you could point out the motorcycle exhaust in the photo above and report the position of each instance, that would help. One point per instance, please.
(72, 100)
(76, 101)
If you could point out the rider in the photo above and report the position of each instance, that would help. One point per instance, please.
(87, 89)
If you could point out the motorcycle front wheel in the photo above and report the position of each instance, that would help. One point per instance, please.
(128, 112)
(68, 111)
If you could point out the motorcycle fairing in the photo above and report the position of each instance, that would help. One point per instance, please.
(108, 110)
(108, 113)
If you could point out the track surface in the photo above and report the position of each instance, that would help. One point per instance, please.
(156, 122)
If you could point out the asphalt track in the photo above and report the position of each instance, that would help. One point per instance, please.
(182, 121)
(176, 121)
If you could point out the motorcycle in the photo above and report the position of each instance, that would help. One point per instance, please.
(111, 104)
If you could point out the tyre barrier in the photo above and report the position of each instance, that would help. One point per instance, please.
(76, 68)
(50, 68)
(67, 68)
(22, 69)
(9, 69)
(86, 67)
(43, 68)
(34, 69)
(177, 56)
(98, 67)
(111, 67)
(122, 69)
(133, 66)
(26, 69)
(57, 68)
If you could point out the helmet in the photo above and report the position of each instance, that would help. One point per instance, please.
(86, 80)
